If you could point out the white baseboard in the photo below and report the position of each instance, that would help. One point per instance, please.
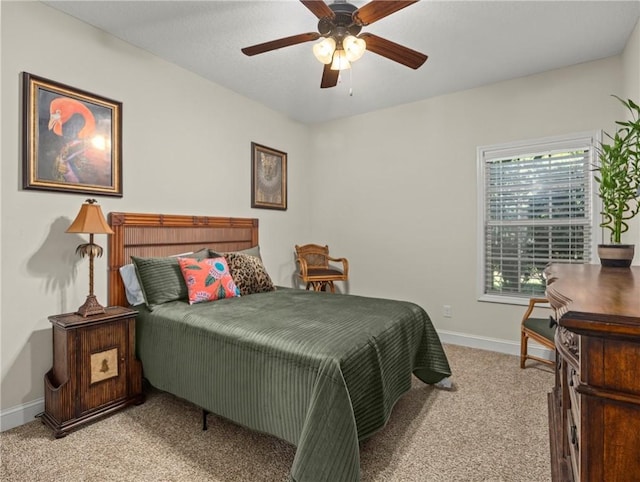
(26, 412)
(21, 414)
(494, 344)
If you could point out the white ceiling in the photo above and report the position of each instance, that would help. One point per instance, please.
(469, 43)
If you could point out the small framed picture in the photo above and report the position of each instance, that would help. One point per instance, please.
(71, 139)
(104, 365)
(268, 178)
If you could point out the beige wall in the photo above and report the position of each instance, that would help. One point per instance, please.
(631, 90)
(394, 191)
(631, 62)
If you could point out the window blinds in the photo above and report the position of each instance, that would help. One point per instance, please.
(537, 211)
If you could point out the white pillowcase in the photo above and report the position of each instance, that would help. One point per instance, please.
(131, 284)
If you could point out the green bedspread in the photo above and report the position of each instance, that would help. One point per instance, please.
(319, 370)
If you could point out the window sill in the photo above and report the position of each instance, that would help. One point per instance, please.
(509, 300)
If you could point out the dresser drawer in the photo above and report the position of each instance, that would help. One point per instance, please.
(573, 380)
(568, 344)
(574, 445)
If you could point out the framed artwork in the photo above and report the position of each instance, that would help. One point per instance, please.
(72, 140)
(268, 178)
(104, 365)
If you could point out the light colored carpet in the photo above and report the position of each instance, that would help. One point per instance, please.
(491, 427)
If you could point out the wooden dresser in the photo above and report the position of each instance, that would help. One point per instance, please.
(594, 409)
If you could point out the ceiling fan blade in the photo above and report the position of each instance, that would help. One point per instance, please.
(278, 44)
(329, 77)
(393, 51)
(319, 8)
(377, 9)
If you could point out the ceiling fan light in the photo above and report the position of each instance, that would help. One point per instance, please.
(354, 47)
(324, 49)
(340, 61)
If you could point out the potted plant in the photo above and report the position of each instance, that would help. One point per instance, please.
(618, 177)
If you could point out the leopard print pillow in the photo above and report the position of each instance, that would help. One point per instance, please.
(249, 273)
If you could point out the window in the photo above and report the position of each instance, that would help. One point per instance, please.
(535, 207)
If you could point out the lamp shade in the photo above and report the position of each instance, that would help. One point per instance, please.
(354, 47)
(340, 61)
(324, 49)
(90, 220)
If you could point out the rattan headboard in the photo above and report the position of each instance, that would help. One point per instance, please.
(148, 235)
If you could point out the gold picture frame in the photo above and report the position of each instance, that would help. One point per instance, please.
(268, 178)
(71, 139)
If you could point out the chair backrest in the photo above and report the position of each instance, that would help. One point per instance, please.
(315, 255)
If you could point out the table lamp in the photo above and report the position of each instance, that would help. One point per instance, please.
(90, 220)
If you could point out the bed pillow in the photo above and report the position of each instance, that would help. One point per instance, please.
(254, 251)
(132, 288)
(161, 278)
(208, 279)
(249, 273)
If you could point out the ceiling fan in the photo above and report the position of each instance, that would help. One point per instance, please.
(340, 24)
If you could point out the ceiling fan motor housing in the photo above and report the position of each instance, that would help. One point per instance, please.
(342, 24)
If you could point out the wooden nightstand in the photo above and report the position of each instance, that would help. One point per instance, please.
(94, 372)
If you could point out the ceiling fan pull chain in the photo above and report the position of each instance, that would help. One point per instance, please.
(350, 82)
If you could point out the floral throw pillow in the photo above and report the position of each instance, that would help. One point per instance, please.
(207, 280)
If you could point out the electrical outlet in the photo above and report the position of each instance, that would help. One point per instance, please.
(446, 311)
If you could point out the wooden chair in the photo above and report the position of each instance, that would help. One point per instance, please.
(315, 268)
(539, 330)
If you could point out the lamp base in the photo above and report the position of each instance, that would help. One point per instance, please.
(90, 307)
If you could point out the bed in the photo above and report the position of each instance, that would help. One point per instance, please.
(319, 370)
